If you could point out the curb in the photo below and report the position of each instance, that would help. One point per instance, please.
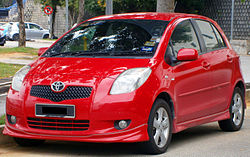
(3, 138)
(44, 41)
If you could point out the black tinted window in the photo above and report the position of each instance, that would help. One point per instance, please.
(208, 35)
(111, 38)
(184, 36)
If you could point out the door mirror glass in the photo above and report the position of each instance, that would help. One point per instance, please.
(42, 50)
(187, 54)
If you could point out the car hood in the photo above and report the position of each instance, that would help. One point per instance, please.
(97, 67)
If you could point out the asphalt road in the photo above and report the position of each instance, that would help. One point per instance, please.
(202, 141)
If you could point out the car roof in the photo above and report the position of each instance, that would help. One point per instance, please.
(148, 16)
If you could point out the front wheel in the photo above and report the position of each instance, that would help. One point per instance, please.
(237, 112)
(159, 128)
(15, 37)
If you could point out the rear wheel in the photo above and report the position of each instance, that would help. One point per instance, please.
(28, 142)
(159, 128)
(15, 37)
(237, 113)
(46, 36)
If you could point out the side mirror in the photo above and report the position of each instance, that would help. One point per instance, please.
(187, 54)
(42, 50)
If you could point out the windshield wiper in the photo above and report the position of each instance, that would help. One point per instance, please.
(103, 53)
(81, 53)
(132, 53)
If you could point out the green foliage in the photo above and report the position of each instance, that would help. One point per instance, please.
(97, 7)
(190, 6)
(5, 3)
(122, 6)
(2, 120)
(94, 8)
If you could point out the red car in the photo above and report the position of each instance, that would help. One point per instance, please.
(136, 77)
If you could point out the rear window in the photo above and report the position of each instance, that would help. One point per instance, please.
(110, 38)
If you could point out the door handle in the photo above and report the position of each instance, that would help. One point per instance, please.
(206, 65)
(229, 58)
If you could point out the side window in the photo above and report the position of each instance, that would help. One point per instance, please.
(184, 36)
(219, 37)
(32, 26)
(26, 26)
(208, 35)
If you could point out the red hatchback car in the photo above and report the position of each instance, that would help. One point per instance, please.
(136, 77)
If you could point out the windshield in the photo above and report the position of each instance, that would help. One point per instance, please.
(110, 38)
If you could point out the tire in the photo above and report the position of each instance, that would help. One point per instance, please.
(28, 142)
(15, 37)
(156, 145)
(46, 36)
(237, 112)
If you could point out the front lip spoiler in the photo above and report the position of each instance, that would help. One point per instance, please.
(112, 133)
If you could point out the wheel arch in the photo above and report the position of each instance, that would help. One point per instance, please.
(165, 96)
(45, 34)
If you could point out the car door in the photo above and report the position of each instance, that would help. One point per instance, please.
(221, 64)
(27, 31)
(36, 32)
(192, 79)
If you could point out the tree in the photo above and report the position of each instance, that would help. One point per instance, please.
(165, 6)
(81, 11)
(22, 37)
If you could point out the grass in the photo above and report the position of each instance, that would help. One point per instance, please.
(28, 50)
(2, 120)
(8, 70)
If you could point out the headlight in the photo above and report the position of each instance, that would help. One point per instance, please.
(17, 80)
(130, 80)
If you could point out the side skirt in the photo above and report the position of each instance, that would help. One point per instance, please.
(195, 122)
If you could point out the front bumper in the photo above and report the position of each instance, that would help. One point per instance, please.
(101, 115)
(131, 135)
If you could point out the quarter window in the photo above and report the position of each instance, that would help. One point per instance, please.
(219, 38)
(184, 36)
(208, 35)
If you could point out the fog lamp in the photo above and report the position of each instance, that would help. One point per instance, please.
(11, 119)
(122, 124)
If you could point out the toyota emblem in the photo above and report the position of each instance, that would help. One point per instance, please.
(57, 86)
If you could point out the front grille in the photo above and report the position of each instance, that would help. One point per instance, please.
(58, 124)
(71, 92)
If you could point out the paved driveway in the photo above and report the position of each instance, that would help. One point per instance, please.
(35, 44)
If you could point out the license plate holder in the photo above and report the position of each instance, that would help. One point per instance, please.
(53, 110)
